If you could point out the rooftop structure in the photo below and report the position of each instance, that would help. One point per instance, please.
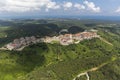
(65, 39)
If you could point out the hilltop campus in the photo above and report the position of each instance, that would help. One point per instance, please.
(66, 39)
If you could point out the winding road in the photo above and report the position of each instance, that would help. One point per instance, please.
(90, 70)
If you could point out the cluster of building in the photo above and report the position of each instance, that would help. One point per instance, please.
(71, 38)
(23, 41)
(76, 38)
(65, 39)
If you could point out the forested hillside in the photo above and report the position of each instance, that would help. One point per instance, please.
(45, 61)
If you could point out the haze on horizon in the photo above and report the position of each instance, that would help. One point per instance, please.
(13, 8)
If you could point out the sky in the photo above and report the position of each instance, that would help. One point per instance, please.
(59, 7)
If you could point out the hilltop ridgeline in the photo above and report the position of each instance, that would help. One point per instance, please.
(66, 39)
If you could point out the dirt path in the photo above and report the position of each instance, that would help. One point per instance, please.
(94, 69)
(3, 48)
(82, 74)
(102, 39)
(90, 70)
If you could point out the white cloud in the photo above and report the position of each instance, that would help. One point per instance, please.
(91, 6)
(67, 5)
(52, 5)
(45, 5)
(118, 10)
(27, 5)
(79, 6)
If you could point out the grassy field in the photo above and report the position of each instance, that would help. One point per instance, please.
(2, 31)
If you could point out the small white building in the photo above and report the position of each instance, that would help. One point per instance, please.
(10, 46)
(33, 39)
(66, 39)
(28, 40)
(22, 41)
